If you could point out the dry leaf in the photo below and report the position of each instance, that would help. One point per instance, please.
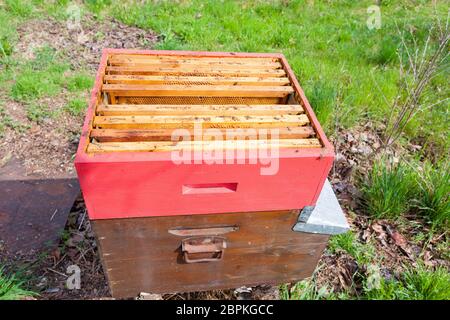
(399, 240)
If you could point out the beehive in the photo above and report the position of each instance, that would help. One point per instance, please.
(125, 162)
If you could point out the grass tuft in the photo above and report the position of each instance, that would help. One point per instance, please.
(305, 290)
(6, 47)
(11, 288)
(43, 76)
(386, 190)
(79, 82)
(347, 242)
(433, 183)
(19, 8)
(391, 191)
(76, 106)
(414, 284)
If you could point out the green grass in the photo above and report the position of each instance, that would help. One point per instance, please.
(43, 76)
(347, 242)
(417, 187)
(416, 283)
(21, 8)
(433, 182)
(80, 81)
(306, 290)
(11, 287)
(76, 106)
(8, 33)
(37, 112)
(387, 189)
(5, 47)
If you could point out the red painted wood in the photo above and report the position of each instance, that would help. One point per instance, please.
(139, 184)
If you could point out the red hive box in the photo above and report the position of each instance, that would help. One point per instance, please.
(129, 166)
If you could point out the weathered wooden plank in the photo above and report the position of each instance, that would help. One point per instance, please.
(194, 64)
(196, 71)
(159, 146)
(183, 80)
(195, 90)
(201, 110)
(117, 135)
(147, 57)
(150, 122)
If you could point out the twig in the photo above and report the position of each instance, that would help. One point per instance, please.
(82, 220)
(53, 215)
(57, 272)
(422, 72)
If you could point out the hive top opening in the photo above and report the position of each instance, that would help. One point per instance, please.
(157, 102)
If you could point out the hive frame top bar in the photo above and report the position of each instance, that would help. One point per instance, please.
(83, 156)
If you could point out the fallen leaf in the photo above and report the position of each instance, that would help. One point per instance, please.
(427, 259)
(56, 254)
(399, 240)
(366, 235)
(378, 228)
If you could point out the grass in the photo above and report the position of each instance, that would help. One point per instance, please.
(11, 287)
(19, 8)
(390, 191)
(305, 290)
(37, 112)
(80, 82)
(76, 106)
(6, 121)
(434, 193)
(386, 189)
(414, 284)
(43, 76)
(347, 242)
(8, 34)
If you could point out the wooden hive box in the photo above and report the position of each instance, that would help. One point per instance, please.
(127, 156)
(253, 155)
